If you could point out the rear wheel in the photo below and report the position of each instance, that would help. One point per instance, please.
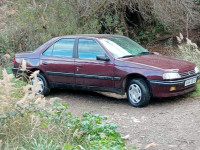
(44, 88)
(138, 93)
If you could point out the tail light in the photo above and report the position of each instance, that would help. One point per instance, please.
(14, 61)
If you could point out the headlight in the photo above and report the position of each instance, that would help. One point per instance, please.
(196, 69)
(170, 76)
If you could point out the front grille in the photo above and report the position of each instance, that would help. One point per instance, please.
(187, 74)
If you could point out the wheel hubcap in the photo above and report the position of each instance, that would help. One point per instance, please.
(135, 93)
(40, 84)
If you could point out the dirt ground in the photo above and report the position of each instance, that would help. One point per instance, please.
(165, 124)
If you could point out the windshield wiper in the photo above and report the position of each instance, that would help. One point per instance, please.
(145, 53)
(142, 53)
(127, 56)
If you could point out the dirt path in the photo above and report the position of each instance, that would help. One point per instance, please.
(170, 124)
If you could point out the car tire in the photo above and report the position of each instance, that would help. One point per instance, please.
(138, 93)
(45, 89)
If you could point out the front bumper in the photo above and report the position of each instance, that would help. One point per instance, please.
(162, 88)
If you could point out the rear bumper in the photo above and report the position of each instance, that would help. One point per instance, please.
(15, 70)
(161, 88)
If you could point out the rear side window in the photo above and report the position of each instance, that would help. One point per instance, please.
(89, 49)
(62, 48)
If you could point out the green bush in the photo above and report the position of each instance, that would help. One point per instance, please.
(37, 128)
(28, 121)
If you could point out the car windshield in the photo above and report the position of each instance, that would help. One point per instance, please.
(122, 47)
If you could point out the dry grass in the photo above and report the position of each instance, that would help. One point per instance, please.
(6, 90)
(8, 99)
(188, 50)
(11, 106)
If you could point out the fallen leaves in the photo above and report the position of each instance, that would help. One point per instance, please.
(135, 120)
(153, 144)
(126, 137)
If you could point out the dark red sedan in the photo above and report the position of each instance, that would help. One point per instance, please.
(109, 63)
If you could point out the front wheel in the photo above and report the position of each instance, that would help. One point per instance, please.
(138, 93)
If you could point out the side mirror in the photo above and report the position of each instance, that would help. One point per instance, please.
(102, 57)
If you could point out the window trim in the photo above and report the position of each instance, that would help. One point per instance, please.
(48, 48)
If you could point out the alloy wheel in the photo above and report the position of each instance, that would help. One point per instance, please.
(135, 93)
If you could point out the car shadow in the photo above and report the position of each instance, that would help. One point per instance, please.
(107, 97)
(82, 95)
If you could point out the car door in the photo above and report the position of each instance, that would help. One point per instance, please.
(58, 62)
(88, 70)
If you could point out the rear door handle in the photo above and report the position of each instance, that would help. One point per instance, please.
(44, 62)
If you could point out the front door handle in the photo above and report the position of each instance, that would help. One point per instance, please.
(78, 67)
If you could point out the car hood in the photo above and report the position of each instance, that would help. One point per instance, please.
(159, 62)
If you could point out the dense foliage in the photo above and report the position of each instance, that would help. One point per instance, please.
(28, 121)
(32, 24)
(29, 23)
(56, 129)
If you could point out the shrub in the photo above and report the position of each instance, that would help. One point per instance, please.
(188, 50)
(34, 123)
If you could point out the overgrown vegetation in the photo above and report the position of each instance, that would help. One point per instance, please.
(152, 32)
(30, 122)
(29, 23)
(188, 50)
(37, 23)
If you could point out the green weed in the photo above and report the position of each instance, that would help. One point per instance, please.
(196, 93)
(28, 121)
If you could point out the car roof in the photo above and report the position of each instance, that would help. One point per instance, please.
(49, 43)
(91, 36)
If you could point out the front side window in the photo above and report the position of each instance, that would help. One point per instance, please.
(89, 49)
(62, 48)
